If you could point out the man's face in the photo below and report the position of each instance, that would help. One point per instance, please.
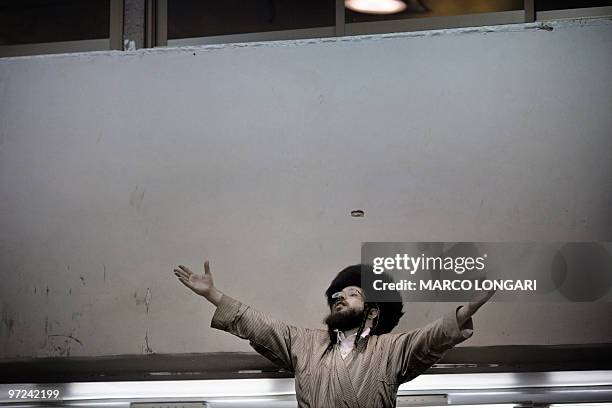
(346, 309)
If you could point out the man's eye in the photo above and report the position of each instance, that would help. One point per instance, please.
(354, 294)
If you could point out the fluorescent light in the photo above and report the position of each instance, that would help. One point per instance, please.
(497, 381)
(375, 6)
(585, 405)
(464, 406)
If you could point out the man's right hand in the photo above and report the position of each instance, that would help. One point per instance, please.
(201, 284)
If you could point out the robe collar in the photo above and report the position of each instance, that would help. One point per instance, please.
(342, 336)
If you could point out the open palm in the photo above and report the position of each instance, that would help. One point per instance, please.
(200, 284)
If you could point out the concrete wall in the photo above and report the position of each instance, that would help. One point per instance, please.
(117, 166)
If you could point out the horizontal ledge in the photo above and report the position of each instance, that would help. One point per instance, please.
(194, 366)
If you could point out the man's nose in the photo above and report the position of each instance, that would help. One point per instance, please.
(340, 298)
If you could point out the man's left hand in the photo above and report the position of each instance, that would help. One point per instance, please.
(481, 298)
(467, 310)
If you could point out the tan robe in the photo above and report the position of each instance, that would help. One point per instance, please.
(368, 377)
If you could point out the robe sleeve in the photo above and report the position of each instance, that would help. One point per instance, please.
(269, 337)
(414, 352)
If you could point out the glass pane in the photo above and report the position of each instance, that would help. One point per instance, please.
(197, 18)
(41, 21)
(427, 8)
(543, 5)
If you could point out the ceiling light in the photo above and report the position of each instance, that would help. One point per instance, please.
(375, 6)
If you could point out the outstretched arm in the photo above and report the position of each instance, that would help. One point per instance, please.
(416, 351)
(271, 338)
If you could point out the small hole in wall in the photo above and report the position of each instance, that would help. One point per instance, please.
(194, 53)
(357, 213)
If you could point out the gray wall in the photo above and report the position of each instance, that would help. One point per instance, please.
(117, 166)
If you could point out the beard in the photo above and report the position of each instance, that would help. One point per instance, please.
(344, 320)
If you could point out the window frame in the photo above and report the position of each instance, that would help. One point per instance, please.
(527, 15)
(156, 28)
(347, 29)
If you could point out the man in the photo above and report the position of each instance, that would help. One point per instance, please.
(357, 362)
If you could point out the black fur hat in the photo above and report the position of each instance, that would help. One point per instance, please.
(389, 312)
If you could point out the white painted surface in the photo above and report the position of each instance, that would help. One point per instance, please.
(115, 167)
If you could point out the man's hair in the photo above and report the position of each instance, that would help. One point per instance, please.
(389, 313)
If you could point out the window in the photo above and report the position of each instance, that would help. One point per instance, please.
(193, 22)
(562, 9)
(435, 14)
(544, 5)
(30, 27)
(438, 8)
(197, 19)
(49, 26)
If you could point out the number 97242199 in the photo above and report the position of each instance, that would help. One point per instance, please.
(34, 394)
